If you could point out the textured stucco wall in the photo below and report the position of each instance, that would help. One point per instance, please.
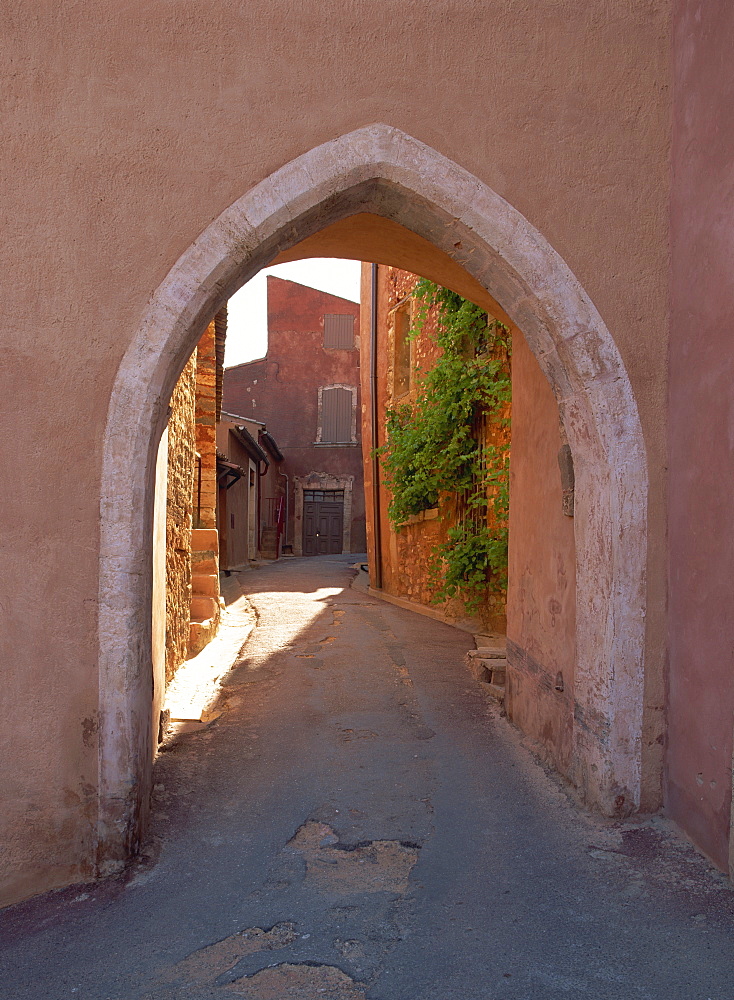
(701, 710)
(179, 513)
(114, 165)
(541, 597)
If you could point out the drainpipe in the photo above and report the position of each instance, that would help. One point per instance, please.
(376, 526)
(258, 485)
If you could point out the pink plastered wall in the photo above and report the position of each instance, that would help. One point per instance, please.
(701, 431)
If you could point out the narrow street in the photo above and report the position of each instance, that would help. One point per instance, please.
(360, 822)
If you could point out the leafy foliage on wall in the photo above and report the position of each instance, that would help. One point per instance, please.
(439, 449)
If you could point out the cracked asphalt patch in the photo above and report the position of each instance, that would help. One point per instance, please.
(206, 964)
(299, 982)
(359, 823)
(375, 866)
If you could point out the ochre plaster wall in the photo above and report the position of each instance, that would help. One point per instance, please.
(205, 599)
(113, 166)
(541, 595)
(701, 709)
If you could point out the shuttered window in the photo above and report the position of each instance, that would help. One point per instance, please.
(339, 331)
(336, 415)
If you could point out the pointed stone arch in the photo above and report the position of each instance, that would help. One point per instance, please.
(381, 170)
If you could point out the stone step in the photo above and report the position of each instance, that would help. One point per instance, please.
(488, 653)
(204, 562)
(205, 585)
(204, 540)
(496, 691)
(487, 666)
(490, 639)
(203, 608)
(488, 673)
(269, 543)
(200, 633)
(492, 662)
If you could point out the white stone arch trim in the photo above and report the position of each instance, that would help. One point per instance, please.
(382, 170)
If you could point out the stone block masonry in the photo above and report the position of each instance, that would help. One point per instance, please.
(206, 421)
(205, 606)
(192, 564)
(179, 511)
(408, 551)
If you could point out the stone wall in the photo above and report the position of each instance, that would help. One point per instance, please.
(181, 469)
(205, 515)
(407, 552)
(192, 501)
(205, 598)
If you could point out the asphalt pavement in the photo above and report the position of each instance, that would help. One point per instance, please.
(359, 822)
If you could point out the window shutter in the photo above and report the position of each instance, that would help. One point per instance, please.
(339, 331)
(336, 415)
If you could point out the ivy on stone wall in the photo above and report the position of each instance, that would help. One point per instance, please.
(438, 450)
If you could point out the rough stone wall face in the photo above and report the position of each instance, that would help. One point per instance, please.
(205, 498)
(408, 551)
(181, 469)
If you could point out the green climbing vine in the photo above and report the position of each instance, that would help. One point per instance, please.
(437, 453)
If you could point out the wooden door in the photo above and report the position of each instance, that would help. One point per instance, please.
(323, 522)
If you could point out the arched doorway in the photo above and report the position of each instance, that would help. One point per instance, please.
(381, 171)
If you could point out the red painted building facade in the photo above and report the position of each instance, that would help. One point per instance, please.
(306, 391)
